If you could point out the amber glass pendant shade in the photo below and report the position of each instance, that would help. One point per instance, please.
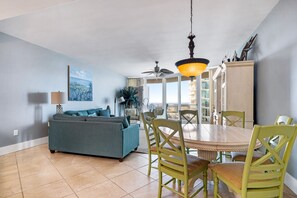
(192, 67)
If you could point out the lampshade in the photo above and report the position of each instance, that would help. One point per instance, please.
(58, 97)
(121, 99)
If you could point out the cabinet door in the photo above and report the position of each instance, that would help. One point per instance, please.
(239, 91)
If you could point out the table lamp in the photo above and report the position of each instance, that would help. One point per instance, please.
(58, 98)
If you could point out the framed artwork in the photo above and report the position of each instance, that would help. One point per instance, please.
(80, 85)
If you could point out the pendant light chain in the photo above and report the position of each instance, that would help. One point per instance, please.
(191, 19)
(192, 67)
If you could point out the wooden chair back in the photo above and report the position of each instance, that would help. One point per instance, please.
(233, 118)
(172, 157)
(147, 118)
(260, 177)
(282, 119)
(189, 116)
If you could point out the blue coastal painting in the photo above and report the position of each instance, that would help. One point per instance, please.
(80, 85)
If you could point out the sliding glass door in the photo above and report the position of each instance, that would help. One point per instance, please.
(173, 93)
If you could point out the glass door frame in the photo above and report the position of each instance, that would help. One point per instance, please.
(164, 102)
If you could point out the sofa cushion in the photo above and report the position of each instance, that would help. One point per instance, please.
(92, 111)
(82, 113)
(68, 117)
(122, 120)
(71, 113)
(104, 113)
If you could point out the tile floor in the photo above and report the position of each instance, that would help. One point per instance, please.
(36, 173)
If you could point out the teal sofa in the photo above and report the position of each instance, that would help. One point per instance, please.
(100, 136)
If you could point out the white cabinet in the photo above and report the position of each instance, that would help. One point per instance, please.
(234, 89)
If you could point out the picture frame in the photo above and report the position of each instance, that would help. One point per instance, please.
(80, 84)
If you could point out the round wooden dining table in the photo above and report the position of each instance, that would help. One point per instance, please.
(209, 139)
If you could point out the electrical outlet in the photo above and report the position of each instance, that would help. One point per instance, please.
(15, 132)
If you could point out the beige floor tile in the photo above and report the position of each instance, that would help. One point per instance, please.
(104, 190)
(18, 195)
(135, 161)
(39, 179)
(154, 172)
(7, 160)
(29, 153)
(151, 190)
(132, 181)
(127, 196)
(8, 173)
(71, 196)
(66, 159)
(8, 188)
(101, 163)
(33, 169)
(116, 170)
(85, 180)
(39, 160)
(74, 169)
(53, 190)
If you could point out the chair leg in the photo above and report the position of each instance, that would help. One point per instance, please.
(221, 156)
(160, 185)
(149, 164)
(205, 183)
(216, 184)
(186, 189)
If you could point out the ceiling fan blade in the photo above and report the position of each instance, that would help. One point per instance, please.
(166, 71)
(161, 75)
(148, 72)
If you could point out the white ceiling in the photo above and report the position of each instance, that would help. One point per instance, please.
(128, 36)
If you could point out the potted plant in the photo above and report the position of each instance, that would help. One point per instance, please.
(130, 96)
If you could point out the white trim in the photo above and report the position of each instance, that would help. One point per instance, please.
(291, 182)
(23, 145)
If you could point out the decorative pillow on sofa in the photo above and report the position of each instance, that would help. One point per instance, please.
(92, 111)
(71, 113)
(93, 114)
(82, 113)
(104, 113)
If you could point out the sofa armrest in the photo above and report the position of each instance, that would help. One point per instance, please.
(130, 138)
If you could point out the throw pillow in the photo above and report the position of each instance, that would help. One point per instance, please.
(82, 113)
(70, 113)
(93, 114)
(104, 113)
(91, 111)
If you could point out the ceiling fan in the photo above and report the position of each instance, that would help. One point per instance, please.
(158, 72)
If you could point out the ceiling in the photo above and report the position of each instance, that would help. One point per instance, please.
(128, 36)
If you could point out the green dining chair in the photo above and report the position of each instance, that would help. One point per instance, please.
(147, 118)
(231, 118)
(175, 162)
(189, 117)
(258, 178)
(240, 156)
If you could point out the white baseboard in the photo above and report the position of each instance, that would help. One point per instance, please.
(291, 182)
(23, 145)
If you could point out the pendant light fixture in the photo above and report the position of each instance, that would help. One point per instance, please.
(191, 67)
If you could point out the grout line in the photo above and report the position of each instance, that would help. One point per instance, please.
(17, 163)
(60, 175)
